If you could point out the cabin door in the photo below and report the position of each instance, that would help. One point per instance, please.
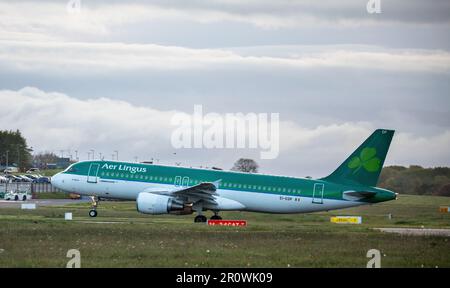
(318, 193)
(93, 172)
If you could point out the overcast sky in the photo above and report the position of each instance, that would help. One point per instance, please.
(111, 76)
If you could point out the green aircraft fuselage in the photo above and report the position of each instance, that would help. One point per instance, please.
(352, 184)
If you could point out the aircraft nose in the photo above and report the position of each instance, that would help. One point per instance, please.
(56, 180)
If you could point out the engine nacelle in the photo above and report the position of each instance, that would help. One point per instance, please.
(149, 203)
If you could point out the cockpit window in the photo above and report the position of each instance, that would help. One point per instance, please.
(71, 169)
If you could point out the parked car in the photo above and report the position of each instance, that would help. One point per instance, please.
(42, 180)
(16, 196)
(3, 179)
(13, 178)
(24, 178)
(11, 170)
(33, 170)
(32, 177)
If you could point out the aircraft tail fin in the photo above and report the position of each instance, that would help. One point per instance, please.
(364, 165)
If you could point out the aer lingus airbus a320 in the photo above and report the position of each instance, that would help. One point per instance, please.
(159, 189)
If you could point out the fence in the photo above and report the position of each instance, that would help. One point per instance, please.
(26, 187)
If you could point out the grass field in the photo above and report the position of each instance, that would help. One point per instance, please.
(41, 238)
(52, 195)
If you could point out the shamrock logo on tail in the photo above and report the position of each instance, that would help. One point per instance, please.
(367, 160)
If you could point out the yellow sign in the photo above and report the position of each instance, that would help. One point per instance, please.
(346, 219)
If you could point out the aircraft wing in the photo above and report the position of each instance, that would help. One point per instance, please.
(201, 192)
(204, 191)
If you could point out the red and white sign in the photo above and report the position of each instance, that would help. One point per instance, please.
(227, 223)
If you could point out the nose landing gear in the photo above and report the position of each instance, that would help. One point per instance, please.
(93, 213)
(94, 204)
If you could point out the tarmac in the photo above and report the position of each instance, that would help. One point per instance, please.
(416, 231)
(38, 202)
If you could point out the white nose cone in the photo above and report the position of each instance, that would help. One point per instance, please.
(56, 180)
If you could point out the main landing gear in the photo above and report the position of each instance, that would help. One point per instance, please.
(216, 216)
(94, 204)
(202, 218)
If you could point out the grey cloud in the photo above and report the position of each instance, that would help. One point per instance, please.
(415, 11)
(232, 23)
(308, 94)
(138, 52)
(63, 122)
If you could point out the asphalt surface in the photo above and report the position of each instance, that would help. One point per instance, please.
(417, 231)
(43, 202)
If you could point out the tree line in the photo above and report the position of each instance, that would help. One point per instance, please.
(416, 180)
(14, 150)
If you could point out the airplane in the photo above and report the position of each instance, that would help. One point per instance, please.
(160, 189)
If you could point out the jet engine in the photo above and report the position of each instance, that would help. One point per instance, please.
(150, 203)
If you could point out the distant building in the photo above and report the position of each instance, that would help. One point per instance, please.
(61, 163)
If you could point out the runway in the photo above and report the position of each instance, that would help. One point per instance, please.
(40, 202)
(416, 231)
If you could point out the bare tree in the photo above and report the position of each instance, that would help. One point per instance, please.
(245, 165)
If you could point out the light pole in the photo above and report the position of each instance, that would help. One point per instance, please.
(18, 155)
(93, 154)
(89, 155)
(7, 164)
(76, 155)
(100, 154)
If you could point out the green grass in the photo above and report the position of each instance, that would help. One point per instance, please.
(52, 195)
(41, 238)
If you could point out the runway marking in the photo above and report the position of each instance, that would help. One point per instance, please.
(103, 222)
(416, 231)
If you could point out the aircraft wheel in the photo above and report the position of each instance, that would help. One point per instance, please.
(216, 217)
(200, 219)
(93, 213)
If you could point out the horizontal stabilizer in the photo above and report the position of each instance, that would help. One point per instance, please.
(357, 195)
